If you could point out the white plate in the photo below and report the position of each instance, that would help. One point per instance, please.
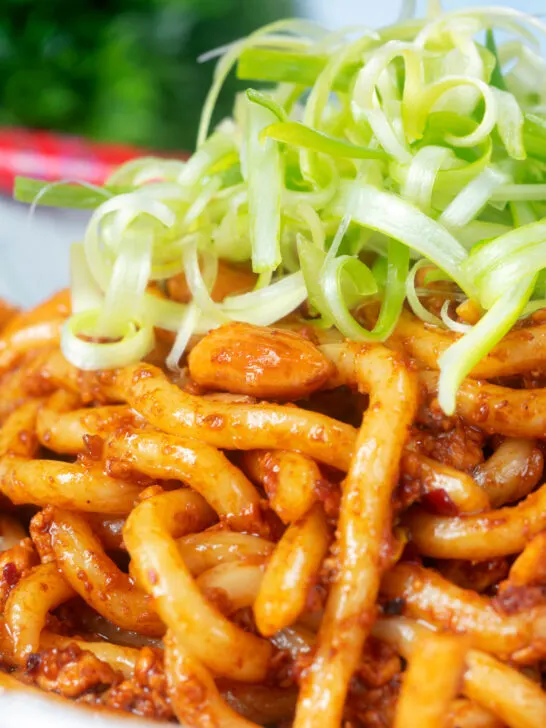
(22, 709)
(34, 252)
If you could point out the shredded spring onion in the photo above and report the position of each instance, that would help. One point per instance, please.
(81, 195)
(79, 345)
(462, 356)
(85, 293)
(451, 324)
(472, 199)
(376, 155)
(186, 329)
(422, 175)
(264, 170)
(413, 298)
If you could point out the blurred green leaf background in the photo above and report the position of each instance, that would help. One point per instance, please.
(119, 70)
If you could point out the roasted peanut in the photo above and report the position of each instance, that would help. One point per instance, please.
(259, 361)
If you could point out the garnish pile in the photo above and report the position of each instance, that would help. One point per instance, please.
(376, 154)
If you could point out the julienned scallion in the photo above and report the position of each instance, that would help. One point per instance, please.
(377, 153)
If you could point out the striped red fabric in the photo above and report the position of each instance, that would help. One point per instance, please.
(50, 156)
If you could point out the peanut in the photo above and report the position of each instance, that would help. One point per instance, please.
(259, 361)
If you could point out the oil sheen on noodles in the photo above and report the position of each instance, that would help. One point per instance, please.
(191, 555)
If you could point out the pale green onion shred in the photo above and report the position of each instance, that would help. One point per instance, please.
(85, 293)
(79, 345)
(264, 180)
(461, 357)
(472, 199)
(413, 297)
(457, 326)
(124, 296)
(374, 155)
(422, 175)
(186, 329)
(200, 283)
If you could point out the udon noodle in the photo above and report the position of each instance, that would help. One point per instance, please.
(309, 541)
